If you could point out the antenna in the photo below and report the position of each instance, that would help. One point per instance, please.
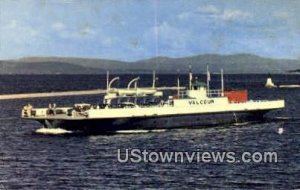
(222, 83)
(207, 78)
(154, 79)
(178, 84)
(190, 77)
(107, 80)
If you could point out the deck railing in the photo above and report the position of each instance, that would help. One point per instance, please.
(215, 93)
(182, 94)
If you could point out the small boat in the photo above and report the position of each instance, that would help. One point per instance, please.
(269, 83)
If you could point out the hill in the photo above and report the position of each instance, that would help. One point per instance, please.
(49, 67)
(237, 63)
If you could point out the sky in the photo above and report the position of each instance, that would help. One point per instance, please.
(131, 30)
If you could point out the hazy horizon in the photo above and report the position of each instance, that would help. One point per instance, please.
(146, 58)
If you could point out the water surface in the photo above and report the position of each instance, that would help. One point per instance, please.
(35, 161)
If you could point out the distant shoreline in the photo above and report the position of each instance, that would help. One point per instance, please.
(148, 73)
(233, 64)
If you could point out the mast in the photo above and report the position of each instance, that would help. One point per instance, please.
(135, 84)
(178, 84)
(154, 79)
(207, 78)
(190, 77)
(222, 83)
(107, 80)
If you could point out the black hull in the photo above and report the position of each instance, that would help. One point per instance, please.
(152, 123)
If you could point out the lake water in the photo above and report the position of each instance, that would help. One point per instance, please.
(34, 161)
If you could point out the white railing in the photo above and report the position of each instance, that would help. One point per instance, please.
(182, 94)
(214, 93)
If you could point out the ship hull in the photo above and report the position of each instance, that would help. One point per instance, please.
(153, 123)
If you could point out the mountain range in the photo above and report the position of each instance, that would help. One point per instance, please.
(236, 63)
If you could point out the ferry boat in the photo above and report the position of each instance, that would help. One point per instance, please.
(136, 108)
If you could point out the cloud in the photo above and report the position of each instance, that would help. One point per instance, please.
(167, 37)
(234, 15)
(171, 35)
(86, 30)
(211, 12)
(12, 24)
(285, 20)
(208, 9)
(184, 15)
(19, 30)
(19, 38)
(58, 26)
(76, 33)
(129, 30)
(281, 15)
(83, 31)
(64, 1)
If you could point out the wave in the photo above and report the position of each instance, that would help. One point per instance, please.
(283, 118)
(140, 131)
(52, 131)
(286, 118)
(8, 118)
(241, 124)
